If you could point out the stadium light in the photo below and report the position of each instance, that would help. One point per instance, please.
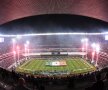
(93, 54)
(84, 40)
(18, 52)
(14, 54)
(85, 43)
(58, 33)
(97, 52)
(93, 45)
(17, 47)
(27, 42)
(97, 48)
(82, 51)
(13, 49)
(25, 46)
(18, 36)
(13, 40)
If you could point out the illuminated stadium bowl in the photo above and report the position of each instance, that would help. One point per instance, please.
(54, 53)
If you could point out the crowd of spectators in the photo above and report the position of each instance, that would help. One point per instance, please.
(90, 81)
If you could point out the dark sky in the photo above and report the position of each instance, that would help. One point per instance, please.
(54, 23)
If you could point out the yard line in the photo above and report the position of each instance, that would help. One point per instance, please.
(25, 63)
(85, 62)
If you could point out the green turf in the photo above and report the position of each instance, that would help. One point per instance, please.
(75, 66)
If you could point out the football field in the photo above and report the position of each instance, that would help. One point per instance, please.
(73, 65)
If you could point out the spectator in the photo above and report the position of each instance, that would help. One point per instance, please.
(106, 82)
(21, 85)
(99, 84)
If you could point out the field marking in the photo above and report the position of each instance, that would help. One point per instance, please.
(80, 69)
(72, 66)
(24, 64)
(80, 66)
(80, 63)
(85, 62)
(25, 69)
(74, 63)
(32, 64)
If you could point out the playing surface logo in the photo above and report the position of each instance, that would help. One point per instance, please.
(56, 63)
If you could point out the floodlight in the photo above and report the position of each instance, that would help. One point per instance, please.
(25, 45)
(17, 47)
(58, 33)
(14, 52)
(93, 45)
(83, 48)
(13, 40)
(65, 33)
(93, 53)
(97, 48)
(27, 42)
(18, 36)
(84, 40)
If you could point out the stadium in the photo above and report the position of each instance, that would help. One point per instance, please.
(60, 44)
(32, 54)
(54, 60)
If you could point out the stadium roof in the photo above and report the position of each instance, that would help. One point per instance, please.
(15, 9)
